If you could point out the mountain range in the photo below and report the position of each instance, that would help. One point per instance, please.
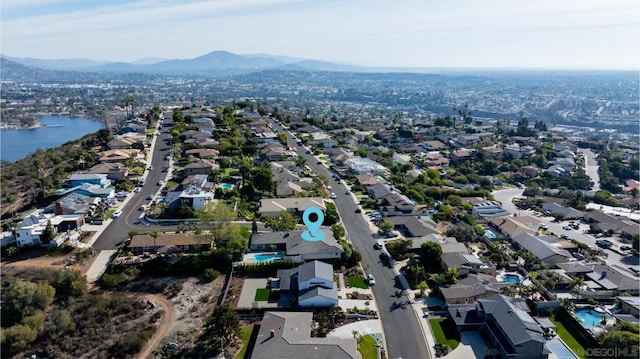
(216, 61)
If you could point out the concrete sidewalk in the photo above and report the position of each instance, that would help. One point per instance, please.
(99, 265)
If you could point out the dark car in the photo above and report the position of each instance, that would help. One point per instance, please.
(319, 162)
(358, 210)
(308, 152)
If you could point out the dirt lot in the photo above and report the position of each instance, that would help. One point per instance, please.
(191, 300)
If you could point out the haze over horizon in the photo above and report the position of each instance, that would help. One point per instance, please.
(546, 34)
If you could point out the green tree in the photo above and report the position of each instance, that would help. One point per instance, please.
(331, 216)
(24, 299)
(16, 339)
(221, 328)
(338, 231)
(70, 283)
(622, 339)
(217, 218)
(262, 179)
(48, 234)
(282, 137)
(430, 256)
(386, 227)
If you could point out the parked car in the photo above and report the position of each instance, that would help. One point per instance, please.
(160, 183)
(378, 245)
(333, 196)
(136, 190)
(370, 279)
(625, 248)
(358, 210)
(578, 256)
(566, 228)
(564, 236)
(150, 168)
(116, 214)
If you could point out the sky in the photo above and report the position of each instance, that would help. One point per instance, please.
(558, 34)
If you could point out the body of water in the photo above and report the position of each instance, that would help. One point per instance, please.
(17, 144)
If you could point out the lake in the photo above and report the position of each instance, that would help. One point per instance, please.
(17, 144)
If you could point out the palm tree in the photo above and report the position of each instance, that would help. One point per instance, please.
(155, 234)
(576, 286)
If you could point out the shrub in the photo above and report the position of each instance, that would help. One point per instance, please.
(210, 274)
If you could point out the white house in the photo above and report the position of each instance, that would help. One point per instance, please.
(312, 282)
(195, 197)
(360, 165)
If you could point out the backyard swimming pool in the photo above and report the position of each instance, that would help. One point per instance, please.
(512, 278)
(489, 234)
(589, 318)
(226, 185)
(262, 257)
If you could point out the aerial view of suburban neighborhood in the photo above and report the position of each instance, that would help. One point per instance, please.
(339, 216)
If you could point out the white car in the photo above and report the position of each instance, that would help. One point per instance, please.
(371, 279)
(333, 196)
(116, 214)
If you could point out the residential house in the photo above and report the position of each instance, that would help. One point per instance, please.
(399, 202)
(124, 142)
(288, 335)
(629, 305)
(566, 163)
(111, 156)
(380, 190)
(549, 253)
(494, 151)
(367, 179)
(610, 279)
(202, 166)
(511, 227)
(311, 283)
(204, 124)
(435, 160)
(600, 222)
(207, 153)
(74, 203)
(133, 127)
(460, 155)
(567, 212)
(288, 188)
(518, 151)
(434, 145)
(470, 288)
(31, 228)
(92, 190)
(167, 243)
(78, 179)
(401, 159)
(295, 247)
(113, 171)
(489, 209)
(360, 165)
(467, 263)
(506, 323)
(194, 197)
(273, 206)
(528, 172)
(412, 226)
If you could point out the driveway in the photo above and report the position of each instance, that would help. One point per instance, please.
(471, 346)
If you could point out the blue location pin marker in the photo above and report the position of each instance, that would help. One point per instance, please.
(313, 232)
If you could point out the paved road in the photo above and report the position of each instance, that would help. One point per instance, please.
(402, 331)
(118, 230)
(591, 167)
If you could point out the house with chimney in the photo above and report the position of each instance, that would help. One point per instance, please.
(311, 284)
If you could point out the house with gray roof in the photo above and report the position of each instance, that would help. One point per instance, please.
(610, 279)
(568, 212)
(549, 253)
(488, 209)
(295, 247)
(412, 226)
(97, 179)
(471, 288)
(506, 322)
(466, 263)
(312, 284)
(288, 335)
(273, 206)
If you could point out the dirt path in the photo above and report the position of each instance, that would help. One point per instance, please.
(167, 321)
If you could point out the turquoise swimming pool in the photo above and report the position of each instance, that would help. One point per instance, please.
(267, 257)
(512, 278)
(489, 234)
(589, 318)
(226, 185)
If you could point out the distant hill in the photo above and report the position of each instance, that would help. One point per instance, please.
(218, 62)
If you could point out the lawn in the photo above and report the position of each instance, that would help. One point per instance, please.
(568, 339)
(245, 335)
(367, 347)
(358, 282)
(262, 294)
(444, 332)
(108, 213)
(170, 184)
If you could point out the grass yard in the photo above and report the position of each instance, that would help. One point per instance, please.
(245, 335)
(568, 339)
(262, 294)
(444, 332)
(170, 184)
(358, 282)
(367, 347)
(108, 213)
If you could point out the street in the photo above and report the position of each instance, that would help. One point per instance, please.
(403, 333)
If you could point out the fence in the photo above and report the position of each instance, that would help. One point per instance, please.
(580, 333)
